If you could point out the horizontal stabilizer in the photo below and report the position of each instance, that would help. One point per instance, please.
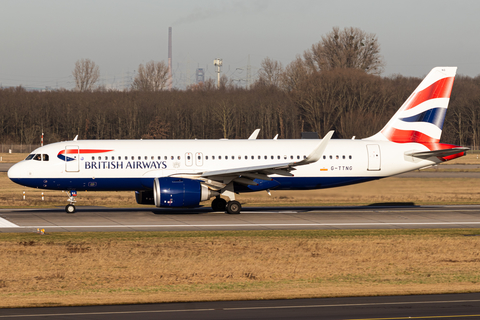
(437, 153)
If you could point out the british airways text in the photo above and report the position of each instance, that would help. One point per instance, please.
(127, 165)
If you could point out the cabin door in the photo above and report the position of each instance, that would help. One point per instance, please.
(374, 162)
(72, 161)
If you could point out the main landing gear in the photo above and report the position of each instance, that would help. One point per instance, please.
(230, 207)
(70, 208)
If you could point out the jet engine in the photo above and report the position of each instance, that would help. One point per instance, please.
(178, 192)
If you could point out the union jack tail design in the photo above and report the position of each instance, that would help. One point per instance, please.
(420, 119)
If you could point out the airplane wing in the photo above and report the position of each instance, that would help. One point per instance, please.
(437, 153)
(246, 175)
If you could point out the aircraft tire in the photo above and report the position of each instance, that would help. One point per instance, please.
(219, 204)
(234, 207)
(70, 208)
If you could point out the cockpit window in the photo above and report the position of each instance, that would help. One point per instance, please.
(45, 157)
(30, 156)
(37, 157)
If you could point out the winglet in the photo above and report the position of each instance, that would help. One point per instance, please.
(254, 135)
(317, 153)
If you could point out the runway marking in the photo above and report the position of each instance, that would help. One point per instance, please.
(7, 224)
(250, 308)
(252, 225)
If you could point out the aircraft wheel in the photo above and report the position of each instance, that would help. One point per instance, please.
(234, 207)
(219, 204)
(70, 208)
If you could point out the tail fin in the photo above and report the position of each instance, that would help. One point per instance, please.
(420, 118)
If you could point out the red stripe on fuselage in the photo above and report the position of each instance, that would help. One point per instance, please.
(81, 151)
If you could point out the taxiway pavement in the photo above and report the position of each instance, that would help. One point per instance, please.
(447, 306)
(257, 218)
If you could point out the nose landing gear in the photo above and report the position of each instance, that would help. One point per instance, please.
(70, 208)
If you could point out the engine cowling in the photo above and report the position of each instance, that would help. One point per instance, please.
(177, 192)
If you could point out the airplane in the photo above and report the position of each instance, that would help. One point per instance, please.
(182, 173)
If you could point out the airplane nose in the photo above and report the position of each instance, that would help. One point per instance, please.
(16, 171)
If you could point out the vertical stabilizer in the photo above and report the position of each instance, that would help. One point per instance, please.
(420, 118)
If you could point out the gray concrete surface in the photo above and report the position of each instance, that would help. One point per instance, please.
(451, 306)
(266, 218)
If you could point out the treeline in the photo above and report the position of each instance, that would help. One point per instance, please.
(349, 101)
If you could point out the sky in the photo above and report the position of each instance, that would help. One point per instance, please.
(40, 40)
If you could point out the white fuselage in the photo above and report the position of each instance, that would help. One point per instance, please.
(133, 164)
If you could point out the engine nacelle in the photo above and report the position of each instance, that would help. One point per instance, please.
(178, 192)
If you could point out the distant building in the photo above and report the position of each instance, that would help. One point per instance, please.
(200, 76)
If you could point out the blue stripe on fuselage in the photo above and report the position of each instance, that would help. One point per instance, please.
(133, 184)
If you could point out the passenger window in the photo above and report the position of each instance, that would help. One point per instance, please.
(165, 158)
(30, 156)
(93, 157)
(219, 157)
(226, 157)
(324, 157)
(298, 157)
(206, 157)
(188, 157)
(45, 157)
(133, 158)
(159, 157)
(304, 157)
(199, 157)
(337, 157)
(172, 157)
(153, 158)
(178, 157)
(146, 158)
(99, 157)
(343, 157)
(278, 157)
(272, 157)
(253, 157)
(213, 157)
(291, 157)
(349, 157)
(119, 157)
(331, 157)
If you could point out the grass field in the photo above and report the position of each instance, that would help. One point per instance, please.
(146, 267)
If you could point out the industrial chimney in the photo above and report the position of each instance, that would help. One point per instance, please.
(170, 80)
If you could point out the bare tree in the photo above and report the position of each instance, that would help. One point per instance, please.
(157, 129)
(151, 77)
(270, 72)
(347, 48)
(86, 74)
(294, 73)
